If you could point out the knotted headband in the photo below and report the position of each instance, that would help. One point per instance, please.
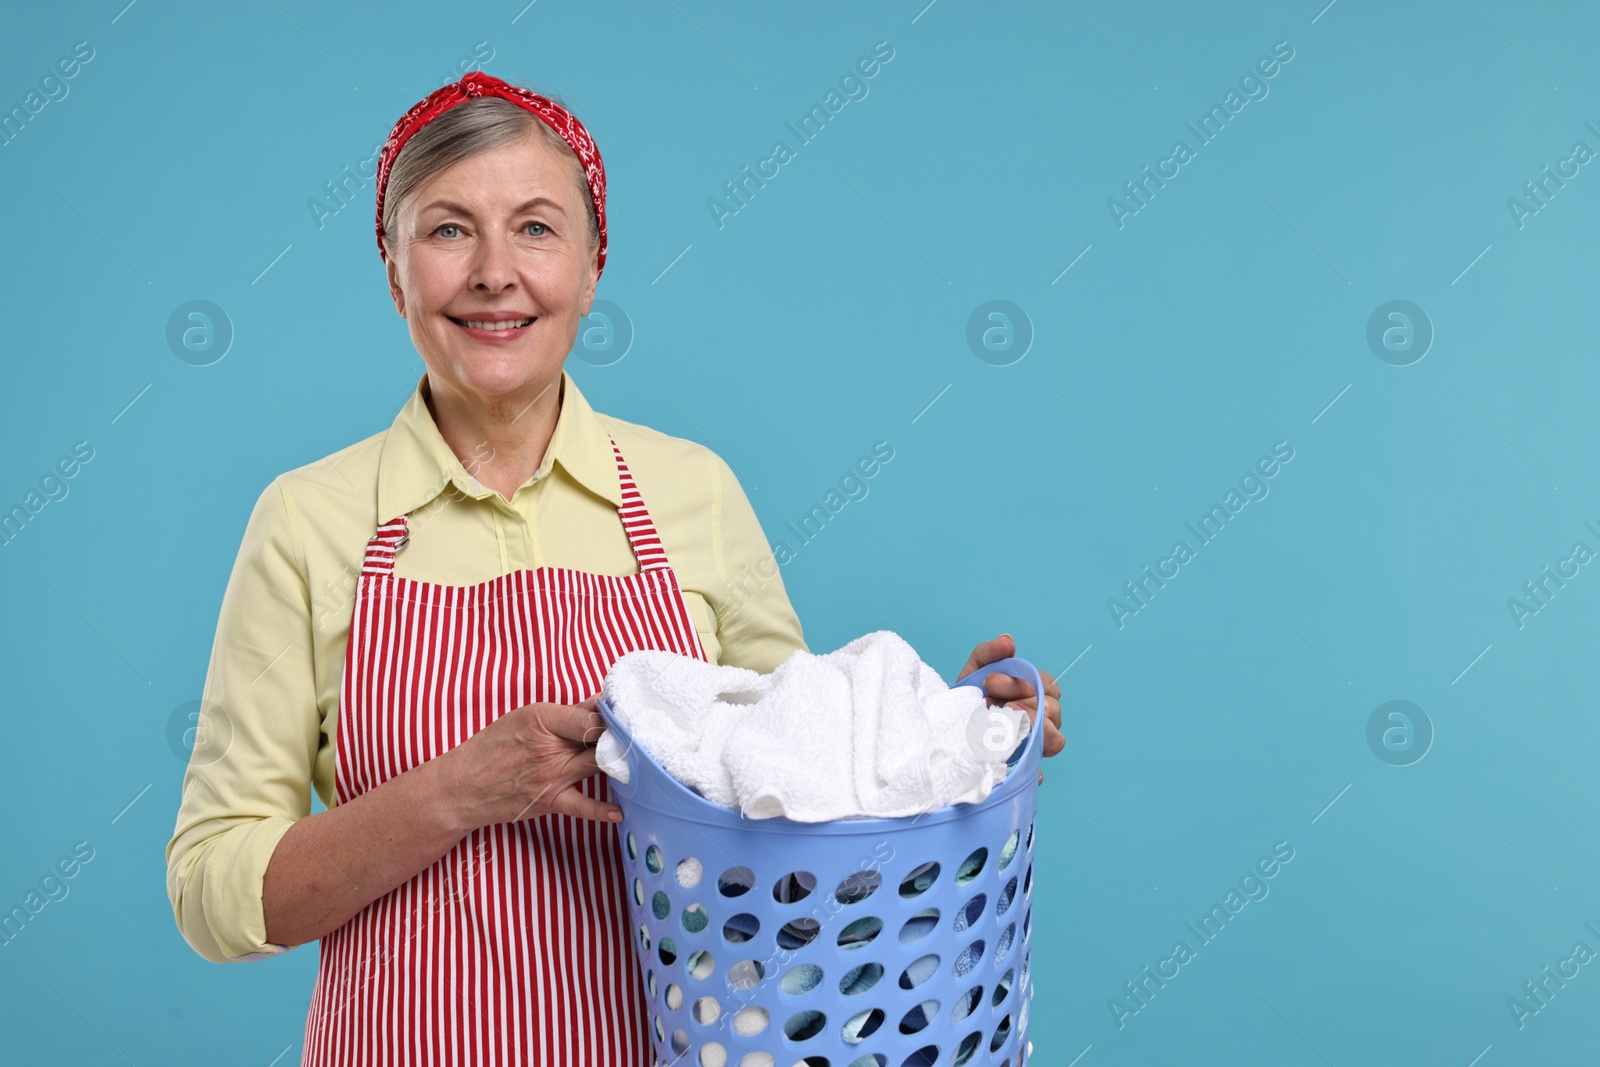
(478, 84)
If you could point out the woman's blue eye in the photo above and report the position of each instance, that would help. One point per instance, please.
(446, 226)
(541, 225)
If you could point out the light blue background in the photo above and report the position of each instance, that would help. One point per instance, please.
(1229, 314)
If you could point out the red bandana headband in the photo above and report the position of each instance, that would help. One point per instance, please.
(478, 84)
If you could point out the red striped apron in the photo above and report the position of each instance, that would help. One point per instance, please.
(513, 948)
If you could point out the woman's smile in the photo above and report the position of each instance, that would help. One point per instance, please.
(494, 327)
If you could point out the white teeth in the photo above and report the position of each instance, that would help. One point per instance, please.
(512, 324)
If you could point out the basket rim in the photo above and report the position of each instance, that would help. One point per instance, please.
(684, 803)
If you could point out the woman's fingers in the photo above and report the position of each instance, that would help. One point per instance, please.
(579, 765)
(1054, 739)
(1006, 687)
(986, 652)
(571, 801)
(572, 722)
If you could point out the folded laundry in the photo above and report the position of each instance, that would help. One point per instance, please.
(868, 730)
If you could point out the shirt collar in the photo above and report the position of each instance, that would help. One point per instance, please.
(417, 464)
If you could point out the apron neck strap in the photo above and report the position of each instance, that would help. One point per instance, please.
(636, 520)
(390, 538)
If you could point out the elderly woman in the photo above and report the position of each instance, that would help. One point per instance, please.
(418, 625)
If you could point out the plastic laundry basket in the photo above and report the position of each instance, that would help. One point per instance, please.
(852, 943)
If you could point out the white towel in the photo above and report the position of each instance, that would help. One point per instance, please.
(866, 731)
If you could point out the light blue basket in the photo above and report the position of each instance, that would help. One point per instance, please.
(853, 943)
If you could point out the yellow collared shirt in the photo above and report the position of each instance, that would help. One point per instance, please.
(272, 685)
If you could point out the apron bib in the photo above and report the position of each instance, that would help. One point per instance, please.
(513, 947)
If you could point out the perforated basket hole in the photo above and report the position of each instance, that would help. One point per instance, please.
(689, 872)
(794, 887)
(871, 1059)
(1027, 881)
(1029, 845)
(660, 906)
(923, 1057)
(673, 997)
(971, 912)
(696, 918)
(1002, 1034)
(1003, 947)
(969, 959)
(746, 975)
(644, 937)
(751, 1020)
(858, 980)
(740, 928)
(652, 860)
(966, 1003)
(861, 1026)
(920, 1017)
(857, 887)
(1027, 921)
(919, 881)
(650, 981)
(638, 892)
(860, 933)
(968, 1046)
(1002, 989)
(713, 1054)
(919, 972)
(667, 951)
(801, 980)
(798, 933)
(757, 1059)
(971, 867)
(661, 1031)
(1008, 851)
(680, 1042)
(633, 847)
(804, 1025)
(707, 1010)
(701, 964)
(736, 881)
(1006, 894)
(919, 926)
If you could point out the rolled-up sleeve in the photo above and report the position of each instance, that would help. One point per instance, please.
(756, 625)
(250, 771)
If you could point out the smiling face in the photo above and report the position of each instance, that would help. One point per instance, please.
(500, 236)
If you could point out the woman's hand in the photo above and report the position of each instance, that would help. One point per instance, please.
(332, 864)
(524, 764)
(1018, 692)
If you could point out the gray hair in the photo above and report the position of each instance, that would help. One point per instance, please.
(475, 126)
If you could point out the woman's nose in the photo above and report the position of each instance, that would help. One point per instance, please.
(494, 266)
